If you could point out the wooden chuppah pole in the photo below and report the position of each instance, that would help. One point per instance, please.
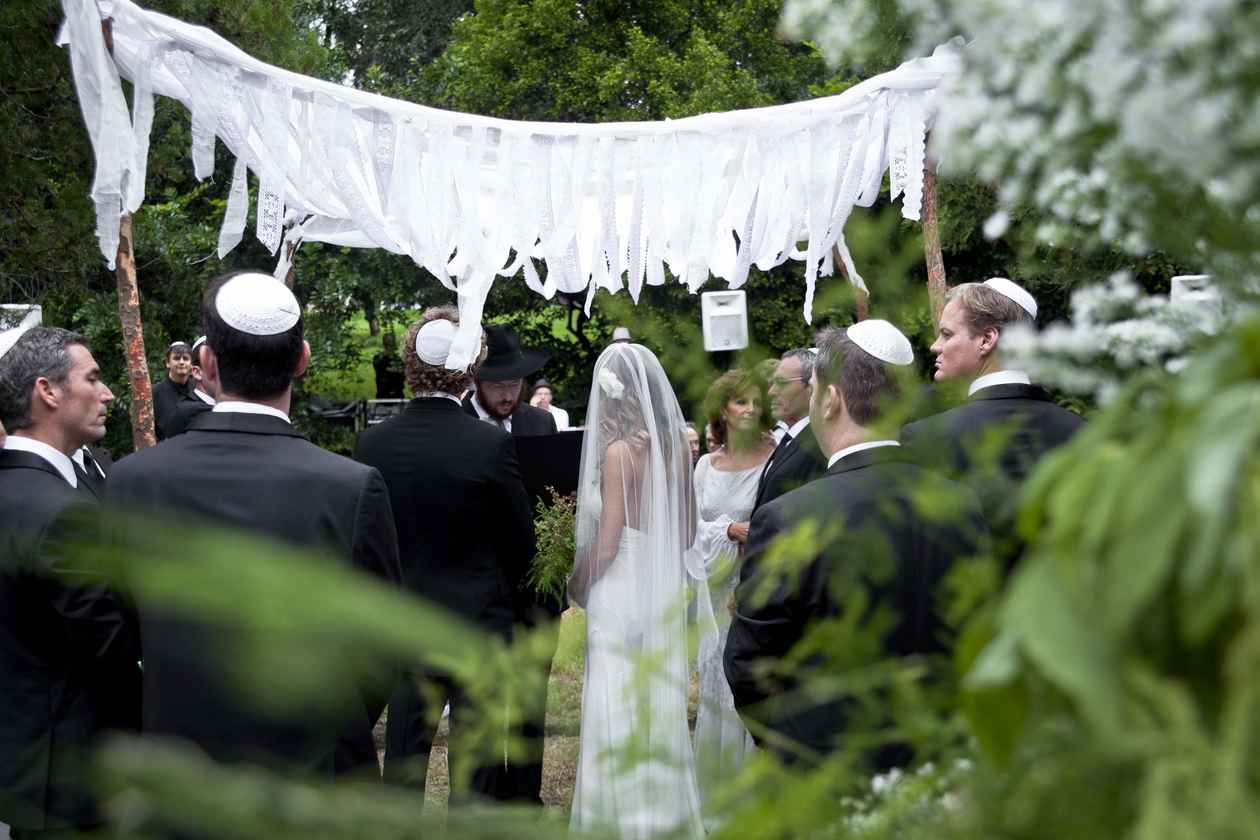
(142, 434)
(932, 243)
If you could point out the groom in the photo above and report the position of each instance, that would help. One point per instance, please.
(465, 533)
(497, 401)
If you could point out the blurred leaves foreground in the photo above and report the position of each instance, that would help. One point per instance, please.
(1108, 690)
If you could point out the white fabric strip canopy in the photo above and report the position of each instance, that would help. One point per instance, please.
(469, 198)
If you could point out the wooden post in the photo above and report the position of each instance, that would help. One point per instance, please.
(142, 434)
(932, 243)
(860, 295)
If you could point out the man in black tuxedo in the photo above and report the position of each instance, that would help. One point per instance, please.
(242, 465)
(465, 530)
(500, 384)
(879, 554)
(177, 386)
(68, 649)
(797, 459)
(995, 439)
(497, 399)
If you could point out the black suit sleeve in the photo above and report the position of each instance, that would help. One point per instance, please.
(375, 539)
(98, 624)
(765, 625)
(375, 552)
(515, 525)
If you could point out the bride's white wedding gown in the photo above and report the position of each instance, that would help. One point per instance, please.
(619, 787)
(636, 775)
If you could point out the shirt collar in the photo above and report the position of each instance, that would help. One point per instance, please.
(249, 408)
(798, 427)
(81, 461)
(1001, 377)
(858, 447)
(203, 396)
(432, 395)
(59, 460)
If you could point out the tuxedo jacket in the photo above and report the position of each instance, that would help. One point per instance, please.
(799, 462)
(884, 558)
(167, 394)
(526, 420)
(256, 474)
(992, 442)
(181, 416)
(68, 650)
(465, 529)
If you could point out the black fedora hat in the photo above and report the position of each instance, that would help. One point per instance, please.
(506, 359)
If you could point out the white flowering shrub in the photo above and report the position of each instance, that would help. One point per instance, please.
(1115, 329)
(1127, 122)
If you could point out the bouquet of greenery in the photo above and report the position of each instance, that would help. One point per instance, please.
(554, 528)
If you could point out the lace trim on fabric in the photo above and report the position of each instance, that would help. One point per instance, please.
(602, 206)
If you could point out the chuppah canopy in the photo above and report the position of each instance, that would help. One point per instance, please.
(469, 198)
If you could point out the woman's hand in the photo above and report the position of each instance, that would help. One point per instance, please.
(737, 532)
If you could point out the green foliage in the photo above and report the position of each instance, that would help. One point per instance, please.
(555, 529)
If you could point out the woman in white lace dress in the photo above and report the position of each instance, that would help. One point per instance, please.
(726, 487)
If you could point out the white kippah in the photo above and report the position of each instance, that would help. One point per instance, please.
(257, 304)
(882, 340)
(1015, 292)
(433, 341)
(198, 343)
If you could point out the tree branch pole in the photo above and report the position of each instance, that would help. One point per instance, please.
(142, 435)
(860, 296)
(932, 243)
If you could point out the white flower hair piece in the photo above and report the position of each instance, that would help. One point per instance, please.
(610, 385)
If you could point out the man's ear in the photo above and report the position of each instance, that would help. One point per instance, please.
(46, 392)
(989, 340)
(303, 361)
(210, 370)
(833, 402)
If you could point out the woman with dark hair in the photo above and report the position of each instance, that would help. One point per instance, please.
(726, 488)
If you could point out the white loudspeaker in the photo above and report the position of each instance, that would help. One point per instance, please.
(724, 318)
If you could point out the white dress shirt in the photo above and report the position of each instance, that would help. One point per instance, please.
(1001, 377)
(434, 395)
(203, 396)
(60, 460)
(858, 447)
(562, 417)
(248, 408)
(792, 432)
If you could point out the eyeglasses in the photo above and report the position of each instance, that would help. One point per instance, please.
(781, 382)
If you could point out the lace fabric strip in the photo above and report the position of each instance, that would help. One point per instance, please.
(469, 197)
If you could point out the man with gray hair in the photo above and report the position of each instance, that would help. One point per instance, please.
(876, 567)
(797, 458)
(68, 651)
(995, 439)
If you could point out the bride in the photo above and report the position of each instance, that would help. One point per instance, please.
(636, 518)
